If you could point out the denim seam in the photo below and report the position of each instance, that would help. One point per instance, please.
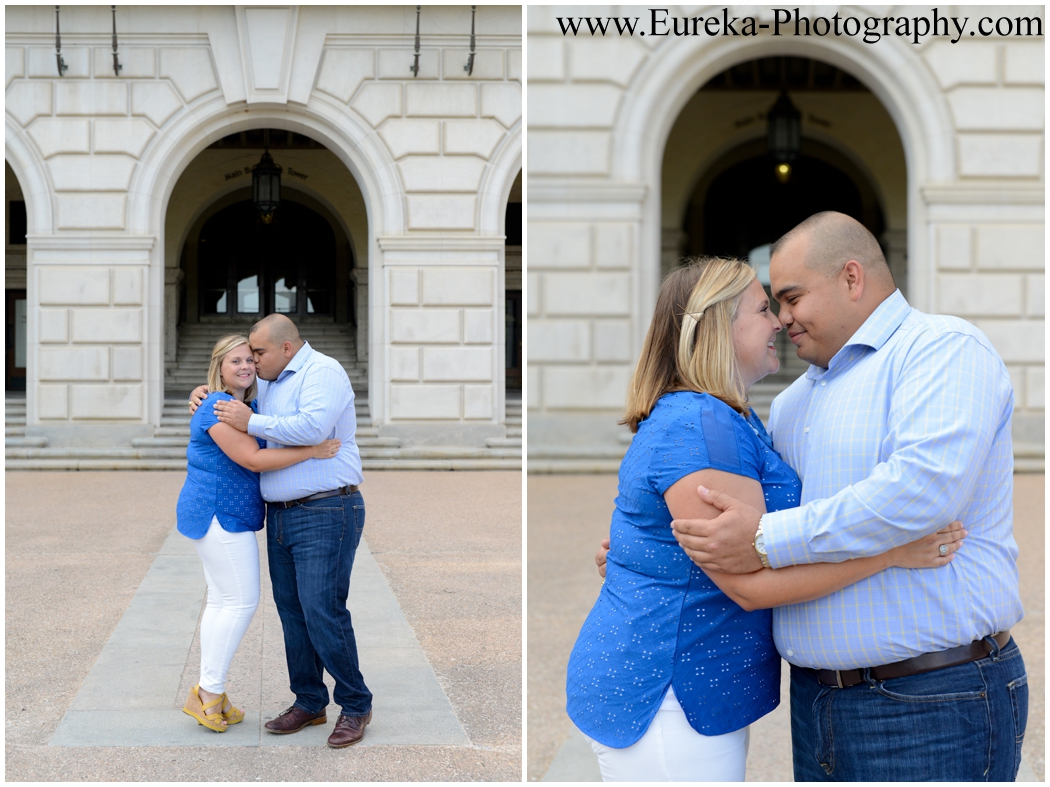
(830, 733)
(990, 720)
(959, 697)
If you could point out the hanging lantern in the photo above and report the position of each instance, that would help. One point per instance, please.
(784, 136)
(266, 186)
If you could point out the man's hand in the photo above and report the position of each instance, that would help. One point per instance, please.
(197, 397)
(724, 544)
(603, 550)
(233, 413)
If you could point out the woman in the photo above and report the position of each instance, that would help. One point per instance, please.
(220, 507)
(673, 664)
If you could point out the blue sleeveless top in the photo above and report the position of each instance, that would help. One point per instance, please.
(659, 621)
(215, 484)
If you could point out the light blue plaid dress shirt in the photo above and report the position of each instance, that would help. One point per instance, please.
(310, 401)
(907, 429)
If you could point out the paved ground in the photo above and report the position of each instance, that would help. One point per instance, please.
(91, 562)
(569, 515)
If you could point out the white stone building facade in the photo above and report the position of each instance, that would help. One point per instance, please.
(628, 135)
(121, 174)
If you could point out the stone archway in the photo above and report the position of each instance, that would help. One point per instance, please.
(351, 143)
(669, 78)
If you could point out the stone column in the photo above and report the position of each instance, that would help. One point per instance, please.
(359, 276)
(588, 280)
(672, 248)
(89, 353)
(172, 279)
(444, 346)
(895, 243)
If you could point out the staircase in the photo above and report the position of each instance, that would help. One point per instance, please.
(166, 449)
(15, 423)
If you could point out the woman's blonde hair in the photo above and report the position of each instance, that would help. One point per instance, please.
(689, 346)
(222, 348)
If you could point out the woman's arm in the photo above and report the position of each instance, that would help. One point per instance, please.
(794, 584)
(245, 451)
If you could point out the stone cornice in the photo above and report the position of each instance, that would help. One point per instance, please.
(442, 243)
(999, 193)
(75, 242)
(586, 192)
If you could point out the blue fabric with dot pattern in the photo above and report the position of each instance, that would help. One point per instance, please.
(659, 620)
(215, 484)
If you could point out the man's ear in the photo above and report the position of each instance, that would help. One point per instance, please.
(853, 277)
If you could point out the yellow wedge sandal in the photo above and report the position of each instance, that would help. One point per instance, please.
(233, 715)
(196, 708)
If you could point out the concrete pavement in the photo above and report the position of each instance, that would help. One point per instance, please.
(103, 601)
(569, 515)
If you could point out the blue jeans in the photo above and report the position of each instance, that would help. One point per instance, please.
(311, 550)
(963, 723)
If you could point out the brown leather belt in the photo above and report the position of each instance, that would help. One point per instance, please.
(927, 662)
(343, 490)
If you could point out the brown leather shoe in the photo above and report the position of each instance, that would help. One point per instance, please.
(293, 720)
(348, 730)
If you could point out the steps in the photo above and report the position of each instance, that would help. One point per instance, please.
(15, 423)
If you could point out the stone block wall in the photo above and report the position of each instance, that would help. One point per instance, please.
(971, 120)
(438, 150)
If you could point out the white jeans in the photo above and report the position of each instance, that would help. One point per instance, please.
(672, 751)
(231, 568)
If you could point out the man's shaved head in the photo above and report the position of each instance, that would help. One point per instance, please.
(832, 239)
(277, 329)
(268, 339)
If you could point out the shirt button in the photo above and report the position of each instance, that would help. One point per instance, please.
(823, 382)
(791, 653)
(806, 430)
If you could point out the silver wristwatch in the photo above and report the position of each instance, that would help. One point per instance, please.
(760, 545)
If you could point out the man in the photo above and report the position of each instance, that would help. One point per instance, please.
(315, 517)
(901, 424)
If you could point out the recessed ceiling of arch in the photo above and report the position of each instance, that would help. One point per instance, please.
(785, 73)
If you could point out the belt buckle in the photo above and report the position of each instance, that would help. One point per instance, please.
(838, 678)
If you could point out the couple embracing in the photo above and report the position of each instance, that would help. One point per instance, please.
(827, 541)
(298, 435)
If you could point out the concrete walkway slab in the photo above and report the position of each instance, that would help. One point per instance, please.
(79, 545)
(147, 655)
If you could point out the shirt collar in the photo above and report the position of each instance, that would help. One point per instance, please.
(875, 332)
(297, 362)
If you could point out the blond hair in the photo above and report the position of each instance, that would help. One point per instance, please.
(222, 348)
(689, 346)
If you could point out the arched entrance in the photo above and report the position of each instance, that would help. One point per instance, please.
(227, 265)
(901, 92)
(721, 193)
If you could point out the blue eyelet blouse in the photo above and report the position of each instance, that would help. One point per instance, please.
(215, 484)
(659, 621)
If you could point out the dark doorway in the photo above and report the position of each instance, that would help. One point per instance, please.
(513, 322)
(15, 346)
(746, 206)
(247, 269)
(513, 339)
